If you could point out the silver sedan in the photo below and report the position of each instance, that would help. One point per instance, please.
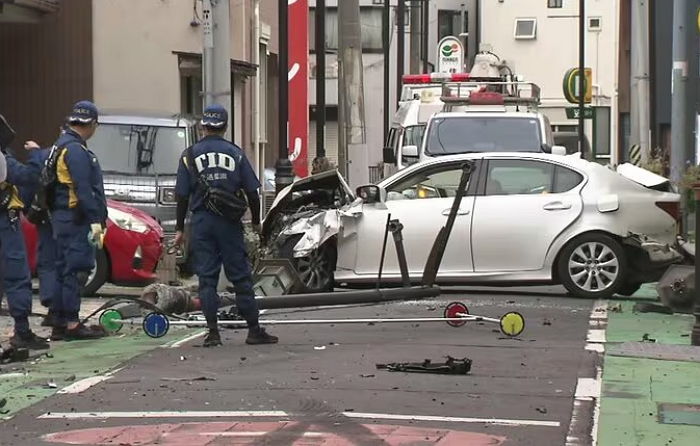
(525, 219)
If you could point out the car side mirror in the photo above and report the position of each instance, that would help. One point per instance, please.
(389, 155)
(559, 150)
(370, 193)
(409, 151)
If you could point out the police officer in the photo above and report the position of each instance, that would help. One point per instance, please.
(78, 214)
(212, 167)
(46, 254)
(15, 273)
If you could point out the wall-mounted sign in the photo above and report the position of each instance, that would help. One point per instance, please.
(450, 55)
(571, 84)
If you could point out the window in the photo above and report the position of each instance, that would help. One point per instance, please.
(442, 182)
(413, 135)
(555, 3)
(525, 29)
(483, 134)
(450, 23)
(565, 180)
(528, 177)
(516, 177)
(595, 24)
(139, 149)
(601, 132)
(370, 22)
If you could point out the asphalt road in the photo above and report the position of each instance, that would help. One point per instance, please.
(320, 385)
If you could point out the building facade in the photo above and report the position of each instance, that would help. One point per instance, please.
(136, 56)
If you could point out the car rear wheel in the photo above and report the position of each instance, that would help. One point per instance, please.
(98, 275)
(592, 266)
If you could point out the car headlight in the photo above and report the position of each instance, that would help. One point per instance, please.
(167, 195)
(127, 221)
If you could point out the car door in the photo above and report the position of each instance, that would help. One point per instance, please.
(421, 201)
(522, 206)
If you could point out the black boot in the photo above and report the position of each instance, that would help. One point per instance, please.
(81, 332)
(212, 339)
(29, 341)
(49, 320)
(258, 335)
(58, 333)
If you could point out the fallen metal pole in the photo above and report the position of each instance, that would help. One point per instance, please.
(346, 297)
(197, 323)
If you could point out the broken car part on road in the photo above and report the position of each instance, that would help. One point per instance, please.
(451, 366)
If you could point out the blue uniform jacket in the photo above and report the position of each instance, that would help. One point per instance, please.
(27, 192)
(21, 175)
(79, 176)
(221, 163)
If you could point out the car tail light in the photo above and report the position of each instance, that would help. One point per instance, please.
(672, 208)
(433, 78)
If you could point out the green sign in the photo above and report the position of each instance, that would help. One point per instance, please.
(571, 85)
(572, 113)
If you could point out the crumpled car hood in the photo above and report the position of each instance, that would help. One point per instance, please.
(285, 200)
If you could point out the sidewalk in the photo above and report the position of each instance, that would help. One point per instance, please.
(651, 389)
(67, 367)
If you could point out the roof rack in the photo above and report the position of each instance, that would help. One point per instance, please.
(511, 92)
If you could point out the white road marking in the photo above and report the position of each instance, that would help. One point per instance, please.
(281, 414)
(186, 340)
(247, 434)
(589, 389)
(12, 375)
(83, 384)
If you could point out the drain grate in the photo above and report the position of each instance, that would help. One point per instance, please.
(651, 350)
(679, 414)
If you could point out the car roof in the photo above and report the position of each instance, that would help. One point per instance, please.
(573, 161)
(482, 113)
(148, 118)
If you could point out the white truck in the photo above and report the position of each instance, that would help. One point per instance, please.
(485, 111)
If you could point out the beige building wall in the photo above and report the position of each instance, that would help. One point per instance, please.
(545, 59)
(135, 65)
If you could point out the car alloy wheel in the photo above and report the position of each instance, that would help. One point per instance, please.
(316, 271)
(593, 266)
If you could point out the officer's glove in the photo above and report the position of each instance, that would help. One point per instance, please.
(97, 235)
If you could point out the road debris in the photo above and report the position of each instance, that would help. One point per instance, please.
(51, 384)
(450, 367)
(320, 347)
(198, 378)
(646, 338)
(646, 307)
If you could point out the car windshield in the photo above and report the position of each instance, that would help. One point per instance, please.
(483, 134)
(138, 149)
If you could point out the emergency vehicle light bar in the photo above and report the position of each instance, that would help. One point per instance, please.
(434, 78)
(474, 93)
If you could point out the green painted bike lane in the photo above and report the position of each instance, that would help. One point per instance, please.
(25, 384)
(634, 389)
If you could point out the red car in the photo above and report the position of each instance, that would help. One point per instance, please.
(133, 246)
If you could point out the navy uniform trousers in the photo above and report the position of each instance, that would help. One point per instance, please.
(217, 241)
(15, 271)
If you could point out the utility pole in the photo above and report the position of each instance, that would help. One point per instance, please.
(351, 89)
(283, 170)
(472, 28)
(679, 98)
(582, 77)
(425, 28)
(320, 18)
(640, 105)
(414, 64)
(386, 47)
(217, 55)
(400, 45)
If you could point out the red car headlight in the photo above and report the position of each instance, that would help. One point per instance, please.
(126, 221)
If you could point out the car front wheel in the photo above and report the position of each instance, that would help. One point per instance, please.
(316, 271)
(98, 275)
(592, 266)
